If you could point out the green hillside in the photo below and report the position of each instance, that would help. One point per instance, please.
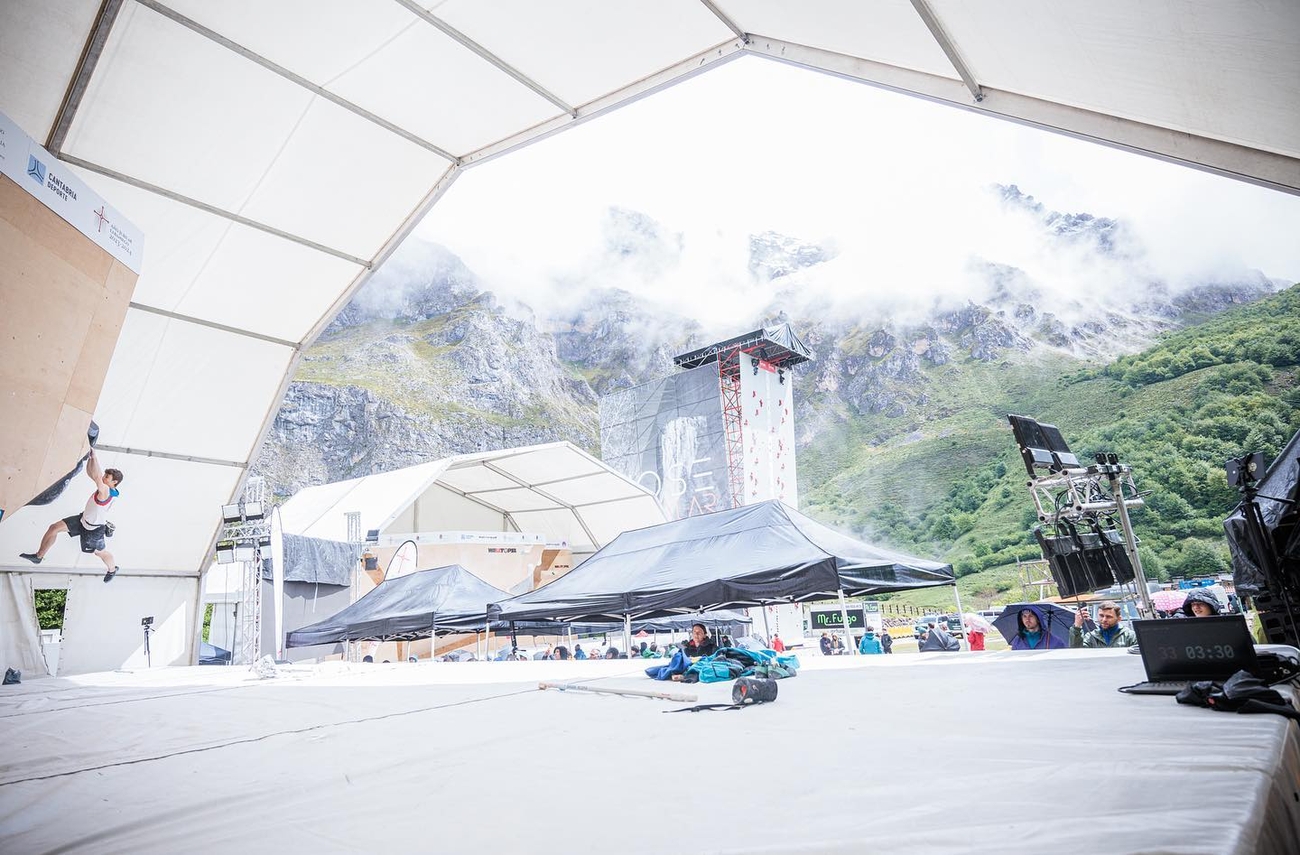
(945, 480)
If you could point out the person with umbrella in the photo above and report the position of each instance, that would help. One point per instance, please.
(1035, 626)
(1109, 632)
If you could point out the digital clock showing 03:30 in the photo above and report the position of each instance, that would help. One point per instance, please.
(1197, 652)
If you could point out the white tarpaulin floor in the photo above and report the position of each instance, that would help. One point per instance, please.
(969, 753)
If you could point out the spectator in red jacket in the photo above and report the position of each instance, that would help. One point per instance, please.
(777, 644)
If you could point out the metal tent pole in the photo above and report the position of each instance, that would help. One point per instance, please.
(627, 634)
(1130, 543)
(844, 616)
(960, 616)
(767, 633)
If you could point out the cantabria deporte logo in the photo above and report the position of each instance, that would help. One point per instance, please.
(36, 169)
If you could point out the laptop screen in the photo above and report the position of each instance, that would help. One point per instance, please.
(1209, 648)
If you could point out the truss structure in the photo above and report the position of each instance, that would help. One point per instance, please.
(1089, 494)
(248, 620)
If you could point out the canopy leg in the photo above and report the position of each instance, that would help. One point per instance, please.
(960, 615)
(851, 648)
(627, 634)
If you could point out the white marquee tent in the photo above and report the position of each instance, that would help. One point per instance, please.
(275, 153)
(556, 490)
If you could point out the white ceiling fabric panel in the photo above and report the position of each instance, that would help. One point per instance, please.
(165, 517)
(580, 50)
(559, 526)
(181, 388)
(271, 150)
(343, 182)
(888, 31)
(164, 99)
(474, 478)
(596, 488)
(205, 266)
(1227, 70)
(40, 43)
(518, 499)
(321, 511)
(379, 56)
(548, 463)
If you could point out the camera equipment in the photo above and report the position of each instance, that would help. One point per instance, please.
(1264, 542)
(147, 624)
(1243, 471)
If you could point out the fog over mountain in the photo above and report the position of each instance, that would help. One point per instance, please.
(431, 358)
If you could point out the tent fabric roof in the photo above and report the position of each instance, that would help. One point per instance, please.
(741, 557)
(556, 489)
(406, 607)
(275, 154)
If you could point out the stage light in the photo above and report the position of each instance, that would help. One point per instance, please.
(264, 542)
(253, 511)
(231, 513)
(225, 551)
(1112, 459)
(245, 550)
(372, 535)
(780, 376)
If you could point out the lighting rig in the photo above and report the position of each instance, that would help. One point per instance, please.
(1084, 532)
(246, 539)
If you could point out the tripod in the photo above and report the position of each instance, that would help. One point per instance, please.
(147, 626)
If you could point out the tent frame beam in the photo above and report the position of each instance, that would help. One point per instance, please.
(949, 49)
(90, 54)
(211, 209)
(1253, 166)
(190, 319)
(296, 79)
(485, 54)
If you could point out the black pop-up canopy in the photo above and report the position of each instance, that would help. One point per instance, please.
(748, 556)
(448, 599)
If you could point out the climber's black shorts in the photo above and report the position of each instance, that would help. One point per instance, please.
(92, 539)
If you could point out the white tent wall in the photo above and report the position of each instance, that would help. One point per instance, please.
(102, 630)
(20, 637)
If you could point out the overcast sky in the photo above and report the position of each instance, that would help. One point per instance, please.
(899, 185)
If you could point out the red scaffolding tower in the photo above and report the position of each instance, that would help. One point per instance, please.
(771, 347)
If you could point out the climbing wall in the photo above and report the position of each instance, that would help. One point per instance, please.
(767, 430)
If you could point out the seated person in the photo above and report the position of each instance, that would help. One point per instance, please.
(699, 644)
(1201, 603)
(1109, 632)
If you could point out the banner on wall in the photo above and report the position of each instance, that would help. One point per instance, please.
(57, 187)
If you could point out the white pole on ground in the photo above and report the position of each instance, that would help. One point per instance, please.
(960, 616)
(627, 634)
(852, 649)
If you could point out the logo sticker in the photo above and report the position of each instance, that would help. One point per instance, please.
(36, 169)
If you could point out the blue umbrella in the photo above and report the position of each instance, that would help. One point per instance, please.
(1054, 620)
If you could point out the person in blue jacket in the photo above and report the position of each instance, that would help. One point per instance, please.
(870, 643)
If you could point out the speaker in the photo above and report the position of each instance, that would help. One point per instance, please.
(1087, 560)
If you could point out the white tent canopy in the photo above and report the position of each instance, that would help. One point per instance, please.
(556, 490)
(274, 154)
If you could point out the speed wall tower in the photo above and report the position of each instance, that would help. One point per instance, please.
(718, 434)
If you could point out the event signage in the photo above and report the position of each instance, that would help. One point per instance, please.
(824, 619)
(53, 183)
